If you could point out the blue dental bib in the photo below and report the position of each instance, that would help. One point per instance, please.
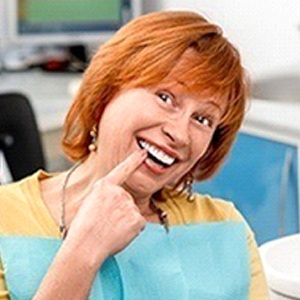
(207, 261)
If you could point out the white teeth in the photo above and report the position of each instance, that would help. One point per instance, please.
(158, 154)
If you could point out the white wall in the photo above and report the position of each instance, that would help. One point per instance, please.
(3, 29)
(3, 18)
(2, 23)
(265, 31)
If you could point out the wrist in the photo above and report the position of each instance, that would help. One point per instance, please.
(86, 249)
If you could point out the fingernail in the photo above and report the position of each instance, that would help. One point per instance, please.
(144, 153)
(141, 151)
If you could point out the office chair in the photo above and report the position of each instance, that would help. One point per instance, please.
(19, 136)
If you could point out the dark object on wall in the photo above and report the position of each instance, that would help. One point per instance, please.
(75, 59)
(19, 136)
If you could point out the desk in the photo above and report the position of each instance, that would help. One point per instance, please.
(50, 95)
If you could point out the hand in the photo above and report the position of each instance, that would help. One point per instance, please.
(108, 219)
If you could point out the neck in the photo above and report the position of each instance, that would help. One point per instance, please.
(86, 175)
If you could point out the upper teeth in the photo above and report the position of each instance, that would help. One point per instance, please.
(158, 154)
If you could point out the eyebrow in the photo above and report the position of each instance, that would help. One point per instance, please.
(215, 104)
(210, 102)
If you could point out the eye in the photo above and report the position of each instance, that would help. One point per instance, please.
(165, 97)
(205, 121)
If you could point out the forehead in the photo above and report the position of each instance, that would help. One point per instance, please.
(191, 75)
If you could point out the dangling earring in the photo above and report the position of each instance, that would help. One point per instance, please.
(93, 134)
(189, 188)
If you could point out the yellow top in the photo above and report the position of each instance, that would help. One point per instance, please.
(23, 212)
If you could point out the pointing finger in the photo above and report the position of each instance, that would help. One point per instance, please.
(122, 171)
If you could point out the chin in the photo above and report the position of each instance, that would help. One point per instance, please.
(139, 186)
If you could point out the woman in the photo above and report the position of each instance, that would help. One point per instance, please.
(159, 106)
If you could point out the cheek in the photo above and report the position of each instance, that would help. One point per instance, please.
(199, 147)
(197, 151)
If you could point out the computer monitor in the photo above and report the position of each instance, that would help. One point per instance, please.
(67, 21)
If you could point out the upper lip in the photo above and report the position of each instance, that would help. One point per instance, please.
(165, 149)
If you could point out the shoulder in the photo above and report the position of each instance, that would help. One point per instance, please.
(203, 208)
(15, 201)
(16, 190)
(9, 193)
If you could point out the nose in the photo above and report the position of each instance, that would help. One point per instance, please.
(177, 132)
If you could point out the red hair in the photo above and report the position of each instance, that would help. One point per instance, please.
(142, 54)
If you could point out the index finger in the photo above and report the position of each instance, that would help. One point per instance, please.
(122, 171)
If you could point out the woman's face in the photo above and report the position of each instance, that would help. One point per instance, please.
(175, 127)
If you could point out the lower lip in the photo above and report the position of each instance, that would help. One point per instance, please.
(154, 168)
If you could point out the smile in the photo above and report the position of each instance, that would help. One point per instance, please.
(157, 155)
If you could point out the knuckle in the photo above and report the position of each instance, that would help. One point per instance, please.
(98, 184)
(102, 181)
(116, 192)
(126, 206)
(102, 184)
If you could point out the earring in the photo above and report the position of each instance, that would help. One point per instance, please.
(93, 134)
(189, 188)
